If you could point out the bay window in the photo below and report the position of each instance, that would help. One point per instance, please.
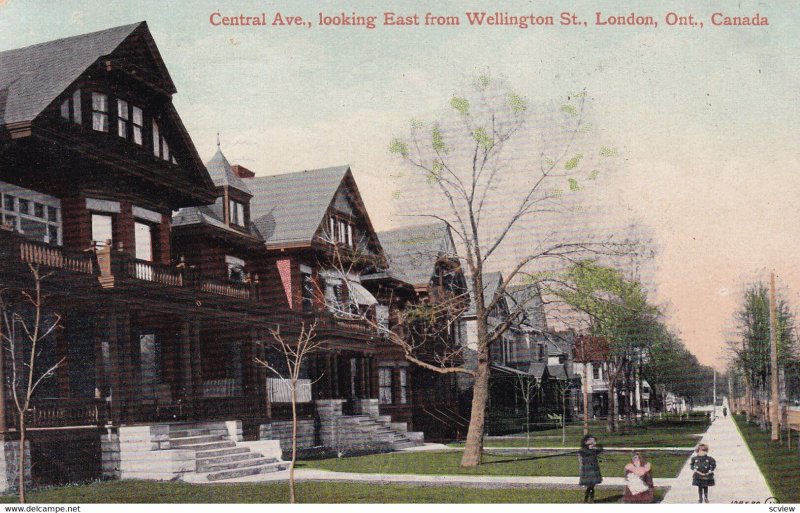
(236, 211)
(385, 385)
(31, 213)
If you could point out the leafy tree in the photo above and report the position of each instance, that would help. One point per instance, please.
(618, 311)
(493, 169)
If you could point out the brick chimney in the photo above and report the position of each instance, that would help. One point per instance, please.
(242, 172)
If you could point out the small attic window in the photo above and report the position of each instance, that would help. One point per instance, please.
(71, 107)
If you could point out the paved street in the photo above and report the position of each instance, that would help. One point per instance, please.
(737, 476)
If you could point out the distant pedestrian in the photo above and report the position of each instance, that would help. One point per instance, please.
(638, 481)
(725, 412)
(590, 466)
(703, 477)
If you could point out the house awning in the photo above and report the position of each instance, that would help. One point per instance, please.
(361, 295)
(510, 370)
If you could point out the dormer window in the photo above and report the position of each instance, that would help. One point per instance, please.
(99, 112)
(341, 232)
(236, 212)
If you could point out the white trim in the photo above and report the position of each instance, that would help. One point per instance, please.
(147, 215)
(99, 205)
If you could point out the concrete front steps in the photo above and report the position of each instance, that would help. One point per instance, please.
(218, 458)
(381, 429)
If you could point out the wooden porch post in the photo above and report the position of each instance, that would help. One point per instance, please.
(127, 383)
(363, 378)
(185, 360)
(197, 368)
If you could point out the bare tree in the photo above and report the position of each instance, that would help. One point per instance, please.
(294, 351)
(528, 387)
(18, 331)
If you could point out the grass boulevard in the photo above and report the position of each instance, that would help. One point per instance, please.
(560, 462)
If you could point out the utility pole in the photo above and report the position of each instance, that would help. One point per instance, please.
(773, 344)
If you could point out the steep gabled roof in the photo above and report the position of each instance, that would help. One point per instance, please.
(413, 251)
(491, 282)
(530, 299)
(222, 173)
(288, 208)
(32, 77)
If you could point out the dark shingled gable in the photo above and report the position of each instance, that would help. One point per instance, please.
(32, 77)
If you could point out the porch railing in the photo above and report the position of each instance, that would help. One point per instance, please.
(226, 288)
(49, 413)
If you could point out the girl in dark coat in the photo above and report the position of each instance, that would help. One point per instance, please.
(703, 477)
(590, 466)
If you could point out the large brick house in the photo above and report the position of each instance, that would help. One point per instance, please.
(162, 315)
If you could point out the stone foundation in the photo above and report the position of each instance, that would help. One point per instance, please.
(9, 465)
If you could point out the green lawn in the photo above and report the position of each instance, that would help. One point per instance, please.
(540, 464)
(651, 434)
(779, 464)
(310, 492)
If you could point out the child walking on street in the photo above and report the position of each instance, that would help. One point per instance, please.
(590, 466)
(703, 477)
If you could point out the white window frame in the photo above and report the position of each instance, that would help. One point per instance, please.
(137, 226)
(123, 118)
(103, 215)
(156, 139)
(14, 217)
(99, 112)
(385, 392)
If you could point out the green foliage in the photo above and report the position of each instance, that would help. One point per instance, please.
(753, 354)
(516, 103)
(460, 104)
(437, 140)
(398, 147)
(482, 82)
(605, 151)
(573, 162)
(483, 139)
(569, 109)
(573, 185)
(594, 174)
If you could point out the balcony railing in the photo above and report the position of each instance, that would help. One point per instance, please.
(156, 273)
(226, 288)
(58, 258)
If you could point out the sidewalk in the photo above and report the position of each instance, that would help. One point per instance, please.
(436, 480)
(737, 475)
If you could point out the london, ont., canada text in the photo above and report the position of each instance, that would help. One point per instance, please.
(488, 19)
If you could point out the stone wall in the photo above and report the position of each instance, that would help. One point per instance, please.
(281, 430)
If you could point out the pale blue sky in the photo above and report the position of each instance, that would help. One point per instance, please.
(703, 117)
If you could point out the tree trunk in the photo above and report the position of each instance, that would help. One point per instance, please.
(480, 395)
(21, 470)
(611, 421)
(292, 491)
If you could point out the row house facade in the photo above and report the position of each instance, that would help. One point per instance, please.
(169, 278)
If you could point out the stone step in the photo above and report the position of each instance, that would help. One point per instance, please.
(404, 445)
(213, 453)
(258, 460)
(215, 460)
(222, 444)
(194, 440)
(185, 432)
(246, 471)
